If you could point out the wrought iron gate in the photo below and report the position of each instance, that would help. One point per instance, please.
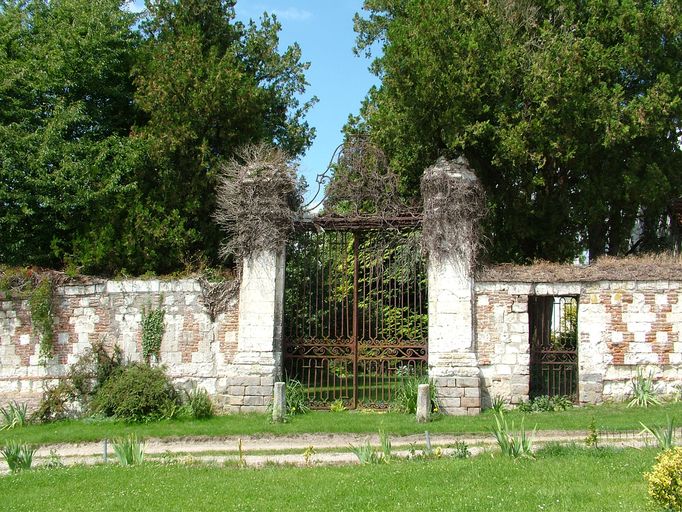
(553, 345)
(355, 319)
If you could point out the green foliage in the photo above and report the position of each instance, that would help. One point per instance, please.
(337, 406)
(546, 403)
(13, 415)
(137, 393)
(644, 391)
(665, 436)
(296, 397)
(199, 403)
(664, 480)
(513, 444)
(592, 438)
(461, 450)
(71, 397)
(367, 454)
(568, 111)
(114, 126)
(153, 329)
(18, 456)
(498, 404)
(406, 391)
(40, 303)
(129, 450)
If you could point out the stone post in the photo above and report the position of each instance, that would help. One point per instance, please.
(423, 403)
(258, 362)
(453, 365)
(279, 403)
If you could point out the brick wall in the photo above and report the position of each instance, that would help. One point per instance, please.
(623, 326)
(193, 348)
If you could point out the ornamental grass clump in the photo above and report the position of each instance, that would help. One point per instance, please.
(513, 444)
(14, 415)
(18, 456)
(644, 391)
(665, 480)
(129, 450)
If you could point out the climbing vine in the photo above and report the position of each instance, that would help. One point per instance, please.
(152, 332)
(38, 289)
(40, 302)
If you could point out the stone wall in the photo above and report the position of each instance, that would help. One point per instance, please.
(623, 326)
(194, 348)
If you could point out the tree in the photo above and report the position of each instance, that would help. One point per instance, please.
(66, 109)
(210, 85)
(113, 128)
(569, 111)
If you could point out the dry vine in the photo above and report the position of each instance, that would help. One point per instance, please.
(454, 204)
(257, 197)
(363, 183)
(217, 295)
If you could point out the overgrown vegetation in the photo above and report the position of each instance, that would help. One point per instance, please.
(198, 403)
(257, 199)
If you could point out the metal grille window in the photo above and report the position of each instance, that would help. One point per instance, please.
(553, 345)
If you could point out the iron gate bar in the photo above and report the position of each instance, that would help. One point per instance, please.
(381, 340)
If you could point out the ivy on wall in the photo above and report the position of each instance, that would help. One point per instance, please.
(38, 290)
(153, 330)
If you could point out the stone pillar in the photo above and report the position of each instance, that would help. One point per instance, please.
(423, 403)
(258, 362)
(453, 365)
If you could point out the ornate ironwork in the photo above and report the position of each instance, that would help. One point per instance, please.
(355, 320)
(553, 345)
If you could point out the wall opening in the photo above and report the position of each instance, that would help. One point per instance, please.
(553, 333)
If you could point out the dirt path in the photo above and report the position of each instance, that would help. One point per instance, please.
(303, 449)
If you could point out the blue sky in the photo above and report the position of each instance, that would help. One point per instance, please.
(339, 79)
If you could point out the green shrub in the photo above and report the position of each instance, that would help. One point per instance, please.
(18, 456)
(71, 397)
(546, 403)
(665, 480)
(296, 397)
(198, 403)
(137, 393)
(57, 403)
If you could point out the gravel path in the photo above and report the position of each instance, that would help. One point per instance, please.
(326, 448)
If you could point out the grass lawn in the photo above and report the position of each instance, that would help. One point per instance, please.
(571, 480)
(607, 417)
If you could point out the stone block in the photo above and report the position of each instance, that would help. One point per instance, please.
(468, 382)
(236, 390)
(258, 391)
(470, 402)
(472, 392)
(254, 401)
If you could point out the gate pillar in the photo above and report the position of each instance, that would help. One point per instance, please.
(258, 362)
(449, 240)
